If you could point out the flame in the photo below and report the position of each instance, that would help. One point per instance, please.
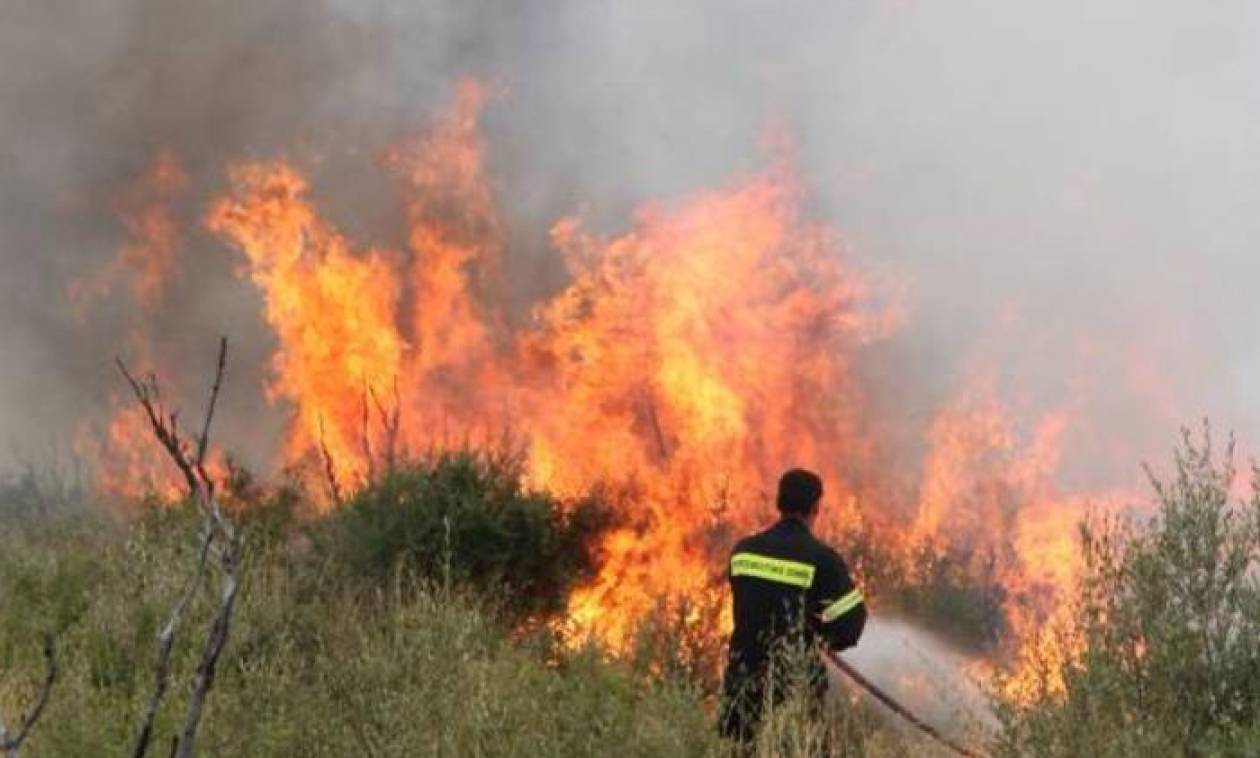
(333, 312)
(150, 253)
(120, 448)
(454, 240)
(651, 371)
(691, 357)
(694, 358)
(123, 454)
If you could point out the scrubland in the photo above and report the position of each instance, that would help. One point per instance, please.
(419, 619)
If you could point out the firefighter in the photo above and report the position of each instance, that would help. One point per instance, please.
(790, 591)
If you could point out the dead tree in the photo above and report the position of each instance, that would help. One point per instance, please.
(11, 744)
(218, 539)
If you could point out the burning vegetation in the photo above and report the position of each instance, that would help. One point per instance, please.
(689, 358)
(516, 357)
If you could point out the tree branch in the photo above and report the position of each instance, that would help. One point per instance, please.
(12, 745)
(166, 640)
(657, 433)
(204, 439)
(367, 436)
(209, 659)
(215, 526)
(165, 427)
(391, 420)
(330, 468)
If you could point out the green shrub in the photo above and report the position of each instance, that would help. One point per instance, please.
(48, 583)
(1166, 637)
(466, 518)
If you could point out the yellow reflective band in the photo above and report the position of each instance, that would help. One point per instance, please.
(772, 569)
(841, 607)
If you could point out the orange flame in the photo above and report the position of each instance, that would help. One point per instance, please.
(333, 311)
(149, 255)
(125, 466)
(694, 358)
(690, 359)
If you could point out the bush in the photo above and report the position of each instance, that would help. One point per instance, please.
(1163, 657)
(466, 518)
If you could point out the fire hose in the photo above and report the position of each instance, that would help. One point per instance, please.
(896, 707)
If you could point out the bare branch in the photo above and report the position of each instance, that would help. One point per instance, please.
(654, 420)
(209, 659)
(367, 435)
(166, 640)
(12, 745)
(215, 527)
(391, 420)
(330, 470)
(395, 422)
(204, 439)
(165, 426)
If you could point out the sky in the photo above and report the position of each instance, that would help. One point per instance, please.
(1065, 190)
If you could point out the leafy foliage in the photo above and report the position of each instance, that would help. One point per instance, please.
(468, 519)
(1164, 652)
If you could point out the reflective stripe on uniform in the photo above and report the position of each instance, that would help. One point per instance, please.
(794, 573)
(841, 607)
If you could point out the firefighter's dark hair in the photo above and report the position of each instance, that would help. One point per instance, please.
(799, 491)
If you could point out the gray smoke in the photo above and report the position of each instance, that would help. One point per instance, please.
(1066, 188)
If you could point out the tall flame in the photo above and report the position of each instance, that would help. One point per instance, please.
(144, 266)
(691, 357)
(695, 357)
(148, 257)
(333, 311)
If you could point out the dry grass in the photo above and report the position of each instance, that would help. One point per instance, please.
(320, 664)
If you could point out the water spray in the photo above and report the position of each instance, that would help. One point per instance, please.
(896, 707)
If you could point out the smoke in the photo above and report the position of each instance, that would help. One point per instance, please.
(1063, 189)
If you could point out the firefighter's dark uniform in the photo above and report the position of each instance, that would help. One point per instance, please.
(788, 587)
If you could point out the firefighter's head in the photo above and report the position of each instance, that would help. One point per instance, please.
(799, 494)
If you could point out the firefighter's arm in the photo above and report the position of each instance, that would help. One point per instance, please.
(840, 610)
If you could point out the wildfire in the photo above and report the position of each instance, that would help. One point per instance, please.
(149, 256)
(333, 312)
(690, 359)
(145, 263)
